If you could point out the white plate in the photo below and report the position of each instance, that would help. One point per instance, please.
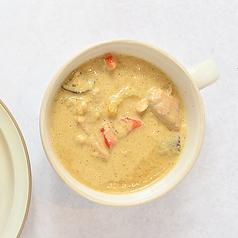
(15, 176)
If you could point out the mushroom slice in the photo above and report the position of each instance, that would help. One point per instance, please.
(78, 84)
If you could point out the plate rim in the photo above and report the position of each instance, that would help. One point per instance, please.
(27, 158)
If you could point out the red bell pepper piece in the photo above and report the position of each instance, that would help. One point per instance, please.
(133, 123)
(110, 62)
(109, 135)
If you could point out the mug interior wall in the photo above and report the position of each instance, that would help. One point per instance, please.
(192, 107)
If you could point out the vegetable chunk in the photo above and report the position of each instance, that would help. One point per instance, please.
(110, 62)
(131, 123)
(108, 134)
(115, 100)
(78, 84)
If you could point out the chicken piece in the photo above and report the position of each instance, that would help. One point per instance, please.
(165, 107)
(94, 140)
(101, 151)
(79, 105)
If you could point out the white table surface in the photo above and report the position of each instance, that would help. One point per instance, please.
(36, 37)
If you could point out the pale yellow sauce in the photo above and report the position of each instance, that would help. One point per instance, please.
(137, 159)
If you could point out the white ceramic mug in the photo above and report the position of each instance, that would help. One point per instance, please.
(188, 83)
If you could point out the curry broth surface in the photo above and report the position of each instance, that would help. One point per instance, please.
(137, 159)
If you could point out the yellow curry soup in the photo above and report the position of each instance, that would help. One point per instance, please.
(117, 124)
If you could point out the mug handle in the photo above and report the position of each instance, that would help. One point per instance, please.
(204, 73)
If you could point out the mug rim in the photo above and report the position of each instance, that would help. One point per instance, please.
(47, 147)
